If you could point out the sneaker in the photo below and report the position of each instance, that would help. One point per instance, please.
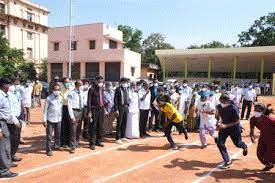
(119, 142)
(59, 148)
(50, 153)
(186, 136)
(8, 174)
(174, 147)
(100, 144)
(245, 152)
(226, 165)
(92, 147)
(72, 151)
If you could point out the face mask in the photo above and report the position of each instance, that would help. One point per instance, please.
(156, 84)
(217, 91)
(100, 85)
(56, 93)
(27, 84)
(250, 87)
(204, 89)
(37, 81)
(173, 91)
(81, 88)
(195, 93)
(67, 85)
(17, 87)
(124, 85)
(258, 114)
(180, 92)
(185, 85)
(109, 88)
(86, 87)
(224, 105)
(203, 102)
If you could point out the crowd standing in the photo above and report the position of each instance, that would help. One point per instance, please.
(92, 110)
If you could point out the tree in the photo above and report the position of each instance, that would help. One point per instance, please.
(132, 38)
(43, 70)
(12, 62)
(155, 41)
(213, 44)
(261, 33)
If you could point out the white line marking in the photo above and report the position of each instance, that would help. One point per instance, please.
(205, 176)
(214, 148)
(144, 164)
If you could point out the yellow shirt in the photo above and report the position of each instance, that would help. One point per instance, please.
(37, 89)
(64, 94)
(169, 110)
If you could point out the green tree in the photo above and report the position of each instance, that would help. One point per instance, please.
(131, 38)
(155, 41)
(261, 33)
(43, 70)
(213, 44)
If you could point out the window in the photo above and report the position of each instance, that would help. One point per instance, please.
(92, 44)
(133, 71)
(56, 46)
(30, 35)
(112, 44)
(30, 16)
(74, 45)
(2, 8)
(2, 29)
(29, 53)
(30, 26)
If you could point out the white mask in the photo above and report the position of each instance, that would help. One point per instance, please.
(180, 92)
(173, 91)
(224, 105)
(217, 91)
(100, 85)
(204, 89)
(203, 103)
(56, 93)
(185, 85)
(258, 114)
(124, 85)
(81, 88)
(156, 84)
(86, 87)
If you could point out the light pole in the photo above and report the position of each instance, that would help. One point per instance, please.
(70, 39)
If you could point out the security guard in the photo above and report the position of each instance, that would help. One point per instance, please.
(5, 116)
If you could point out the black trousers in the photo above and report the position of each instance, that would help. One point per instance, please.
(235, 134)
(65, 127)
(15, 135)
(121, 122)
(154, 115)
(248, 105)
(95, 129)
(56, 127)
(143, 122)
(167, 131)
(86, 121)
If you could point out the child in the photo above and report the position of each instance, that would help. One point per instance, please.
(52, 119)
(208, 121)
(174, 119)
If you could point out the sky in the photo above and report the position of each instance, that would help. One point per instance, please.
(183, 22)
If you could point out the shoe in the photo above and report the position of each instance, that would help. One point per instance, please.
(147, 135)
(186, 136)
(16, 159)
(226, 165)
(245, 152)
(22, 142)
(72, 151)
(174, 147)
(124, 140)
(119, 142)
(50, 153)
(59, 149)
(8, 174)
(203, 146)
(100, 144)
(13, 165)
(267, 168)
(92, 147)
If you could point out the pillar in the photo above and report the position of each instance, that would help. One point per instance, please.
(82, 70)
(185, 68)
(164, 70)
(49, 72)
(262, 69)
(209, 68)
(235, 61)
(102, 69)
(65, 69)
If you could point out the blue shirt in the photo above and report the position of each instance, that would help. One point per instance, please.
(5, 109)
(229, 114)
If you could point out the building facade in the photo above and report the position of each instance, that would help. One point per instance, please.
(25, 25)
(97, 49)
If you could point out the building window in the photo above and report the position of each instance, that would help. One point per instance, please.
(112, 44)
(30, 26)
(133, 69)
(74, 45)
(56, 46)
(92, 44)
(3, 29)
(2, 8)
(30, 16)
(30, 35)
(29, 53)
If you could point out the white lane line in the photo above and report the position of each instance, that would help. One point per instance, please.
(76, 158)
(205, 176)
(214, 148)
(144, 164)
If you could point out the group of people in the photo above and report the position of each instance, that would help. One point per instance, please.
(93, 109)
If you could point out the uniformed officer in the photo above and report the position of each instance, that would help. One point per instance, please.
(75, 108)
(5, 116)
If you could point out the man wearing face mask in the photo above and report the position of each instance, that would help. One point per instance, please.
(121, 106)
(85, 88)
(228, 125)
(37, 89)
(28, 100)
(109, 96)
(154, 112)
(248, 97)
(96, 112)
(75, 108)
(52, 119)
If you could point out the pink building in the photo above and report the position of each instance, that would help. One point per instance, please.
(97, 50)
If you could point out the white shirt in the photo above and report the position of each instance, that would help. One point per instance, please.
(5, 109)
(75, 101)
(53, 109)
(187, 92)
(249, 95)
(28, 99)
(208, 120)
(145, 104)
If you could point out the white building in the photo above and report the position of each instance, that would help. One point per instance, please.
(25, 25)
